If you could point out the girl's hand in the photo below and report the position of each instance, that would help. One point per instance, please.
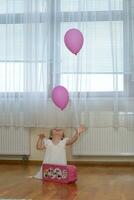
(81, 129)
(42, 136)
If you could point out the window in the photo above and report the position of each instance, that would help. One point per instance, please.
(86, 5)
(22, 46)
(98, 71)
(23, 36)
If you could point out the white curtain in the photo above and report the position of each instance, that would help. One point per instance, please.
(34, 59)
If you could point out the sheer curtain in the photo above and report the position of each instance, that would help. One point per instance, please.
(99, 78)
(34, 59)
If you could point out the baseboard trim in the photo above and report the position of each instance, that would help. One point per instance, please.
(77, 163)
(12, 162)
(103, 163)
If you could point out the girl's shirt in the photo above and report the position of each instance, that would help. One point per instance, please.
(55, 153)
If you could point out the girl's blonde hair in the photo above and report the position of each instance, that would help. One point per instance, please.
(51, 132)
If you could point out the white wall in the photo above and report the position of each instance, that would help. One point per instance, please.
(38, 155)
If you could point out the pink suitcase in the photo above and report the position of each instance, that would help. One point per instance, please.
(59, 173)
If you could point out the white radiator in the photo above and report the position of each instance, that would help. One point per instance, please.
(105, 141)
(14, 141)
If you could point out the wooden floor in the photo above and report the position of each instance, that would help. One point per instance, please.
(94, 183)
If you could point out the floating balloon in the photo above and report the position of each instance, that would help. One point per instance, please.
(74, 40)
(60, 97)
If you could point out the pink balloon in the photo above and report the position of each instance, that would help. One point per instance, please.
(60, 96)
(74, 40)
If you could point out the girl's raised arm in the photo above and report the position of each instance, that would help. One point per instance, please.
(74, 138)
(40, 142)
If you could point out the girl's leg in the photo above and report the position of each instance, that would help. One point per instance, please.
(39, 174)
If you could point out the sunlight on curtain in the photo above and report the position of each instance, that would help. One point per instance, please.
(34, 59)
(99, 78)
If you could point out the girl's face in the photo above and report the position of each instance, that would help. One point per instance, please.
(57, 132)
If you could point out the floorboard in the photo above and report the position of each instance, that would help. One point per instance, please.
(95, 183)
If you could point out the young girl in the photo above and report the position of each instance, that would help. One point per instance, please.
(56, 146)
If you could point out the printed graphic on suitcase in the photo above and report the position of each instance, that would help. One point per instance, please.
(59, 173)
